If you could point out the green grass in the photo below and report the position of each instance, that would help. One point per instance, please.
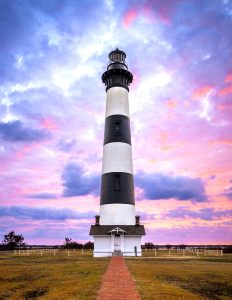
(183, 277)
(77, 276)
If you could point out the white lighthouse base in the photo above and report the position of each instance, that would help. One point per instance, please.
(116, 213)
(112, 240)
(120, 244)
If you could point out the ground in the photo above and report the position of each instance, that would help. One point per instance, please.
(76, 275)
(182, 277)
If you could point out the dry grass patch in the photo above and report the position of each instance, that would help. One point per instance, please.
(186, 278)
(77, 276)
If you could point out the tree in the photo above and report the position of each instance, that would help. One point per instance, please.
(70, 244)
(182, 246)
(149, 246)
(168, 247)
(68, 241)
(227, 249)
(12, 240)
(89, 245)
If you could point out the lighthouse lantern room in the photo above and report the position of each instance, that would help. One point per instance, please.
(117, 231)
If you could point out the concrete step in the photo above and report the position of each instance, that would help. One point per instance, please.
(117, 253)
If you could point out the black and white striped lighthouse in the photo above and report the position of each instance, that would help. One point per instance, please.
(117, 202)
(117, 189)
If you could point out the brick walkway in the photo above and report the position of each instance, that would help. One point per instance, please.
(117, 283)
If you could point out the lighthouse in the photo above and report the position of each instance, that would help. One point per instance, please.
(117, 229)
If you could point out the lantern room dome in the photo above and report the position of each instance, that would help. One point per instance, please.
(117, 73)
(117, 56)
(117, 60)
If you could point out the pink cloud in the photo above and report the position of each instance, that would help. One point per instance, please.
(129, 18)
(224, 141)
(228, 78)
(202, 92)
(224, 106)
(151, 12)
(163, 15)
(225, 91)
(49, 124)
(171, 103)
(25, 151)
(162, 11)
(198, 234)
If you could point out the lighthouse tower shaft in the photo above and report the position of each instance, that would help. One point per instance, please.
(117, 188)
(117, 229)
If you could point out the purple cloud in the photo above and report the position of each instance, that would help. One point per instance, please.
(66, 145)
(228, 193)
(43, 196)
(160, 186)
(77, 183)
(15, 131)
(204, 214)
(42, 213)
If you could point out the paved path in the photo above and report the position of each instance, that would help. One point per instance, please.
(117, 283)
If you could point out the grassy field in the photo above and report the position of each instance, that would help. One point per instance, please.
(77, 276)
(73, 275)
(179, 277)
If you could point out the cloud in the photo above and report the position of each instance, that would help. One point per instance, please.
(171, 103)
(77, 183)
(43, 196)
(204, 214)
(160, 186)
(37, 103)
(228, 193)
(49, 124)
(32, 35)
(15, 131)
(52, 56)
(228, 78)
(146, 216)
(225, 91)
(43, 213)
(129, 18)
(66, 145)
(216, 234)
(202, 92)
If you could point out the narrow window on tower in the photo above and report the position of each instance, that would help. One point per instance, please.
(117, 128)
(117, 183)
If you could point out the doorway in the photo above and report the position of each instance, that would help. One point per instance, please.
(117, 242)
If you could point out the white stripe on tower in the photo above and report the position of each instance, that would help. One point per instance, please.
(117, 214)
(117, 102)
(117, 157)
(117, 189)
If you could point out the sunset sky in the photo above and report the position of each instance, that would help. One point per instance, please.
(52, 106)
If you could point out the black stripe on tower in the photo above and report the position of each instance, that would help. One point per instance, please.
(117, 129)
(117, 187)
